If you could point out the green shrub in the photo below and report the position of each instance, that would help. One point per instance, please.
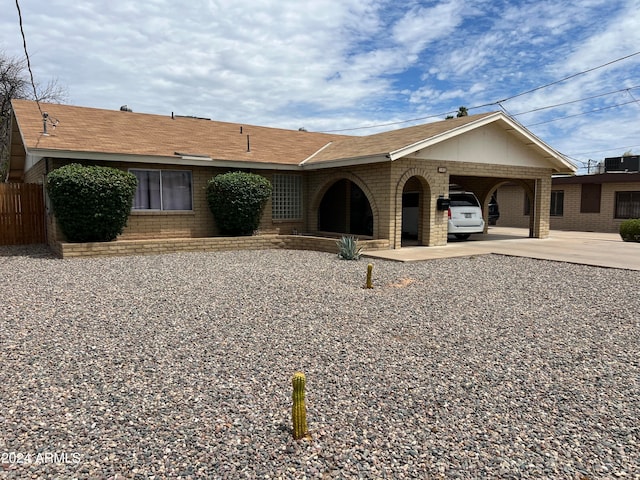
(630, 230)
(348, 248)
(237, 200)
(91, 204)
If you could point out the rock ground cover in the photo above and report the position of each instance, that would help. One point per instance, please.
(179, 366)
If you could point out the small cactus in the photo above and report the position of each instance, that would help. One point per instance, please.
(369, 275)
(299, 410)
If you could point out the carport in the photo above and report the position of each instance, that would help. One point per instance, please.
(400, 175)
(479, 156)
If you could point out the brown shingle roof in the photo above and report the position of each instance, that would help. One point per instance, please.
(94, 130)
(114, 132)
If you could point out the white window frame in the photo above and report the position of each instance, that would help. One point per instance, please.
(162, 209)
(286, 199)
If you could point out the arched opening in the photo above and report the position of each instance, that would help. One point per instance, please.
(345, 209)
(412, 212)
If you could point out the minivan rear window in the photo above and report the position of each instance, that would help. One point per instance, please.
(463, 200)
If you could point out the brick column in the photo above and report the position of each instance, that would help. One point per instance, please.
(542, 202)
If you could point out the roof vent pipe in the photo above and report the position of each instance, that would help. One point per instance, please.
(248, 144)
(45, 116)
(240, 129)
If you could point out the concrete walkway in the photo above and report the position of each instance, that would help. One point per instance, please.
(588, 248)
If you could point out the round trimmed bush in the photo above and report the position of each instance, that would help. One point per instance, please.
(91, 204)
(237, 200)
(630, 230)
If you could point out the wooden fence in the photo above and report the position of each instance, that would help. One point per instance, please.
(22, 218)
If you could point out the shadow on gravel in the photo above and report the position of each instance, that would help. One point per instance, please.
(33, 251)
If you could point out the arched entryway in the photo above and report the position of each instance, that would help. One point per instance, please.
(345, 209)
(412, 209)
(415, 212)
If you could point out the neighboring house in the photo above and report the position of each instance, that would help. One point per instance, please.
(323, 183)
(592, 203)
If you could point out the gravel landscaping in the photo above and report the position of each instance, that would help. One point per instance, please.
(179, 366)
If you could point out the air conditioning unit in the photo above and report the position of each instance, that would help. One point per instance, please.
(629, 163)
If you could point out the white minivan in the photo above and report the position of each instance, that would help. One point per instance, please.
(465, 215)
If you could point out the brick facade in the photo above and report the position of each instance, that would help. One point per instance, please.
(211, 244)
(382, 183)
(511, 199)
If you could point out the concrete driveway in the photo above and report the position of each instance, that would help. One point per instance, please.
(587, 248)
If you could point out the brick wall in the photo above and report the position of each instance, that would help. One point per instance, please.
(605, 221)
(212, 244)
(383, 184)
(511, 202)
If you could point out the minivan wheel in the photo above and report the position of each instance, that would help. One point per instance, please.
(462, 236)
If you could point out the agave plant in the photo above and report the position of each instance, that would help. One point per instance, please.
(348, 248)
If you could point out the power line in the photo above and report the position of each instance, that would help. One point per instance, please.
(438, 115)
(631, 95)
(26, 53)
(577, 101)
(627, 147)
(499, 102)
(580, 114)
(570, 76)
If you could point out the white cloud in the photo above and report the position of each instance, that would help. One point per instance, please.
(330, 64)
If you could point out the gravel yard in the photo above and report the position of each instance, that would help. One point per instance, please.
(179, 366)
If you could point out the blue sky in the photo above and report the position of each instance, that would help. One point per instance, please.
(344, 64)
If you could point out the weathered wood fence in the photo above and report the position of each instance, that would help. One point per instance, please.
(22, 218)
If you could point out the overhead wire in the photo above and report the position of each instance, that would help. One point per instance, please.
(570, 77)
(26, 53)
(576, 101)
(500, 102)
(580, 114)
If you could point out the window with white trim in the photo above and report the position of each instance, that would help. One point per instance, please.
(163, 190)
(286, 199)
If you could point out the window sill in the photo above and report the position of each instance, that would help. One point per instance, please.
(162, 212)
(287, 220)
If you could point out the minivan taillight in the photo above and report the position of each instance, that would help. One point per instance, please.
(449, 213)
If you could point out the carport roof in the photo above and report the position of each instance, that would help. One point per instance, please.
(114, 135)
(402, 142)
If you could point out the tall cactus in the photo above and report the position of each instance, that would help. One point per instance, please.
(299, 410)
(369, 275)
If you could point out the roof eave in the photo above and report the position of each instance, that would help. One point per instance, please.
(347, 162)
(181, 160)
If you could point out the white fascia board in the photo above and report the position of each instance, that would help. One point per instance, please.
(183, 160)
(347, 162)
(253, 165)
(314, 154)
